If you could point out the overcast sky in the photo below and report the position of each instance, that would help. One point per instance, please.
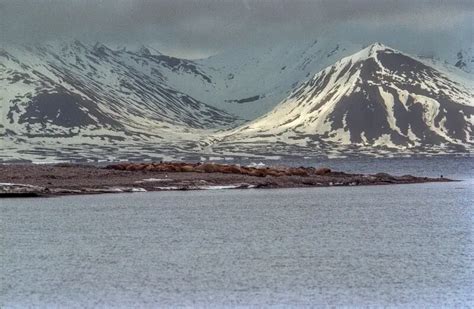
(196, 28)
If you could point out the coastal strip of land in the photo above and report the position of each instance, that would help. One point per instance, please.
(31, 180)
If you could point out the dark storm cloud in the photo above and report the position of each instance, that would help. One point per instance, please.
(211, 24)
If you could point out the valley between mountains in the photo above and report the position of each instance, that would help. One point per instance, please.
(74, 102)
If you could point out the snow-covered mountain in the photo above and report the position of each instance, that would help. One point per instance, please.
(56, 95)
(69, 99)
(249, 82)
(75, 100)
(377, 98)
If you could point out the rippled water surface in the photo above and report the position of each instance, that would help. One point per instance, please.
(362, 246)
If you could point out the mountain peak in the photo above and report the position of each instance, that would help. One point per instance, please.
(378, 45)
(147, 51)
(373, 48)
(78, 43)
(144, 51)
(98, 46)
(378, 97)
(370, 51)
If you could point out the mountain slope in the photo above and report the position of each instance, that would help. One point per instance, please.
(77, 94)
(250, 82)
(376, 98)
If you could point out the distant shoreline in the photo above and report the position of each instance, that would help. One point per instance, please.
(30, 180)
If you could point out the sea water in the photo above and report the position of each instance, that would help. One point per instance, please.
(397, 245)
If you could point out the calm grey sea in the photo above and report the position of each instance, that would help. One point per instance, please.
(401, 245)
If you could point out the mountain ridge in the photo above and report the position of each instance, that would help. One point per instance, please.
(84, 98)
(377, 97)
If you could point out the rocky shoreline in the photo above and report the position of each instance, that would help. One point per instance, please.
(29, 180)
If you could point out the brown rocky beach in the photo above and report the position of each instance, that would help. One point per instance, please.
(29, 180)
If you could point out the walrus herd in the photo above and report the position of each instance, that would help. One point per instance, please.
(180, 167)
